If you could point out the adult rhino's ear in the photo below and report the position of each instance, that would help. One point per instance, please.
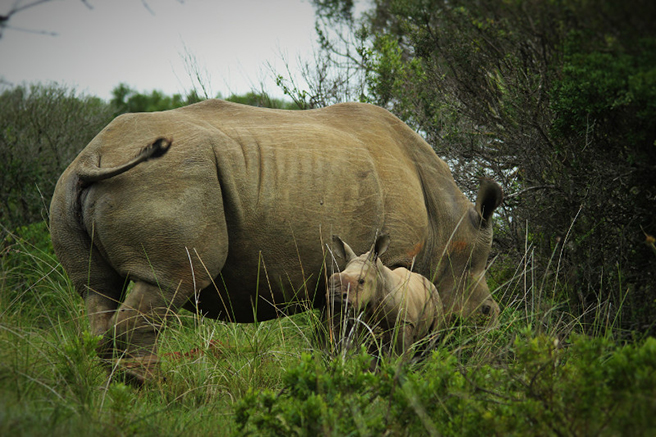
(490, 196)
(342, 249)
(381, 245)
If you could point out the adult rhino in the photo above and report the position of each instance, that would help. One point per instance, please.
(228, 209)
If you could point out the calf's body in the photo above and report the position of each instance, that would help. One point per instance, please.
(405, 305)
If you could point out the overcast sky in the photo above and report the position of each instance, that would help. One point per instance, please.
(124, 41)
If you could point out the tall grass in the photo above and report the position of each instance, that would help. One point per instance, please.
(535, 373)
(51, 381)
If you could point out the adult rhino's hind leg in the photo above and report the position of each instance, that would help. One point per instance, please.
(134, 327)
(101, 305)
(131, 341)
(172, 245)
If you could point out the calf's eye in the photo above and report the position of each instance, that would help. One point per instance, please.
(361, 281)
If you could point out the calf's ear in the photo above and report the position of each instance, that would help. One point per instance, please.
(381, 245)
(490, 196)
(342, 249)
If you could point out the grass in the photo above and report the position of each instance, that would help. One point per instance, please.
(536, 373)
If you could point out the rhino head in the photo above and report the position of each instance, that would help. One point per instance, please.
(460, 272)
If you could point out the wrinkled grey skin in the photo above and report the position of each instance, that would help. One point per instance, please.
(225, 210)
(405, 305)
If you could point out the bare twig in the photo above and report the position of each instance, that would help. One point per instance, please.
(525, 190)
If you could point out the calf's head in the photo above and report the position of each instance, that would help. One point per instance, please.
(362, 278)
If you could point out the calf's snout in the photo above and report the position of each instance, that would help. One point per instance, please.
(339, 288)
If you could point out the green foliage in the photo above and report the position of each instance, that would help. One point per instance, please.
(590, 387)
(42, 128)
(31, 279)
(604, 87)
(331, 398)
(603, 103)
(262, 100)
(125, 99)
(390, 74)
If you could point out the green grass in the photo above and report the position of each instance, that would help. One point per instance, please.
(536, 373)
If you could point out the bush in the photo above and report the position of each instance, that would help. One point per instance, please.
(42, 128)
(589, 386)
(125, 99)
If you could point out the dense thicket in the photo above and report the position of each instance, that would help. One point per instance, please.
(554, 99)
(42, 128)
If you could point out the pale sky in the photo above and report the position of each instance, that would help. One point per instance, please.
(124, 41)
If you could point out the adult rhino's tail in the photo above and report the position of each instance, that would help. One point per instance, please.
(91, 173)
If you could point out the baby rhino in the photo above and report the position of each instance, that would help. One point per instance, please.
(404, 305)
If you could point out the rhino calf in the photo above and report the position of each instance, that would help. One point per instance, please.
(404, 304)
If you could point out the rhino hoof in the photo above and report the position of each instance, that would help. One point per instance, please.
(140, 369)
(136, 370)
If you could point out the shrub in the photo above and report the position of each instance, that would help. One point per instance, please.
(589, 386)
(42, 128)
